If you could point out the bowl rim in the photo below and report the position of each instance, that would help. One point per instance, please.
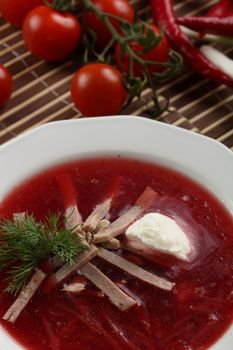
(199, 138)
(129, 118)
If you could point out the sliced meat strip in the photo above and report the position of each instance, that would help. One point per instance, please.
(118, 226)
(146, 199)
(68, 192)
(73, 218)
(29, 290)
(66, 270)
(135, 270)
(97, 214)
(72, 214)
(24, 297)
(121, 300)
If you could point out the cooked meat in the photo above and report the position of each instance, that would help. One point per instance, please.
(67, 269)
(120, 225)
(74, 288)
(121, 300)
(73, 217)
(146, 199)
(24, 297)
(113, 244)
(135, 270)
(96, 215)
(106, 233)
(102, 224)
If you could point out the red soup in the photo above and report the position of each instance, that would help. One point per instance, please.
(193, 315)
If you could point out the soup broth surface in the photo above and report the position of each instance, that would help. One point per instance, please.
(190, 317)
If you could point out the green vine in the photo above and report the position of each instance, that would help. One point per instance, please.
(143, 34)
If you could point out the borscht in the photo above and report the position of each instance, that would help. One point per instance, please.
(114, 253)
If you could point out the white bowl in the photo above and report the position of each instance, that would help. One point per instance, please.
(203, 159)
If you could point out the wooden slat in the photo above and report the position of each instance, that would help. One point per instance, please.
(226, 135)
(4, 26)
(205, 6)
(18, 58)
(34, 98)
(40, 78)
(210, 127)
(11, 48)
(42, 90)
(10, 37)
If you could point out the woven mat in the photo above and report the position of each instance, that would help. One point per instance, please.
(42, 90)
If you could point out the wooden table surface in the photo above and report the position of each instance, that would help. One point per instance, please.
(41, 90)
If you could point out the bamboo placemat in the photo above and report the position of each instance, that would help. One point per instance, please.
(41, 90)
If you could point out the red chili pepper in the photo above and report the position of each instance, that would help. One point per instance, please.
(214, 25)
(164, 15)
(223, 9)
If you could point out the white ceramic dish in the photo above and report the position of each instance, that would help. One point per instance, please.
(205, 160)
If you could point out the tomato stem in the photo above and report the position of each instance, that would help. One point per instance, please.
(122, 40)
(102, 56)
(137, 32)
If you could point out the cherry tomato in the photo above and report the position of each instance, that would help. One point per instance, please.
(159, 53)
(120, 8)
(51, 35)
(6, 85)
(97, 89)
(15, 11)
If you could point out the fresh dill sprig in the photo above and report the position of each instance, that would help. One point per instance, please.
(26, 242)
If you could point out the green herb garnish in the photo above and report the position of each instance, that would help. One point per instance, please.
(26, 242)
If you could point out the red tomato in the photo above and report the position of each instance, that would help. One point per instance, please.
(14, 11)
(160, 53)
(6, 85)
(51, 35)
(97, 89)
(120, 8)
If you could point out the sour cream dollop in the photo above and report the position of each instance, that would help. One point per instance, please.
(160, 232)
